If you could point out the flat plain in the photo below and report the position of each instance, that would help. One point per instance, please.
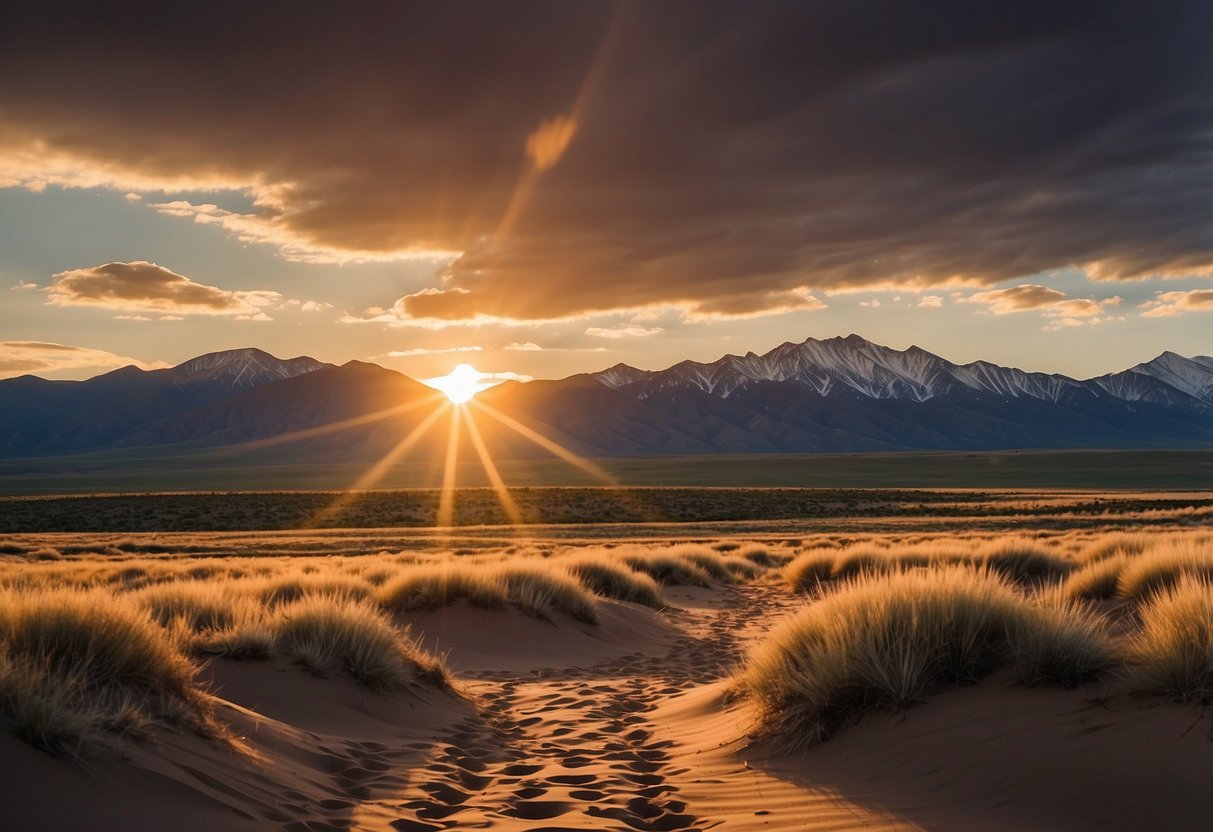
(648, 659)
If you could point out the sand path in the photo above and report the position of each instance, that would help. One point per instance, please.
(622, 744)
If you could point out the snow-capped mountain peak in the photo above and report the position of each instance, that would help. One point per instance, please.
(242, 368)
(853, 365)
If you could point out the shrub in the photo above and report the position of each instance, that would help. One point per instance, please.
(75, 665)
(611, 580)
(1173, 651)
(431, 587)
(883, 641)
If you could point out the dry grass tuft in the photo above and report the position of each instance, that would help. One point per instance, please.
(1174, 649)
(1097, 581)
(541, 589)
(1161, 568)
(328, 634)
(611, 580)
(884, 641)
(75, 665)
(431, 587)
(1023, 561)
(810, 569)
(666, 568)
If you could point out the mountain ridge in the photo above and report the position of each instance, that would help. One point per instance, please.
(842, 394)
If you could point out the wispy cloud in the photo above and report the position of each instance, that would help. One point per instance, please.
(20, 357)
(623, 331)
(1167, 304)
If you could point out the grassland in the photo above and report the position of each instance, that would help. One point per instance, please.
(160, 470)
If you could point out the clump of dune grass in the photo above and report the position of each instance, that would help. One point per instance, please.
(428, 587)
(666, 568)
(201, 606)
(1098, 580)
(762, 555)
(1162, 567)
(1173, 651)
(714, 564)
(861, 560)
(885, 641)
(612, 580)
(1023, 561)
(327, 634)
(75, 665)
(541, 590)
(1117, 543)
(275, 591)
(810, 569)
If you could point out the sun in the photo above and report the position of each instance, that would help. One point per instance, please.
(461, 383)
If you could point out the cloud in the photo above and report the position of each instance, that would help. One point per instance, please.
(426, 351)
(547, 144)
(140, 287)
(738, 306)
(21, 357)
(1167, 304)
(709, 153)
(523, 346)
(623, 331)
(1063, 311)
(930, 302)
(22, 286)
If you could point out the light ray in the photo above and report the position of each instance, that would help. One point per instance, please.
(490, 469)
(547, 444)
(446, 501)
(376, 471)
(331, 427)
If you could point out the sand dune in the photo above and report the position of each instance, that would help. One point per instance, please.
(629, 724)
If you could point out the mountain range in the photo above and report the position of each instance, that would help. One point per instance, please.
(829, 395)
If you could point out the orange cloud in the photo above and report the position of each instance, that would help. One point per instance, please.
(547, 144)
(140, 286)
(21, 357)
(1167, 304)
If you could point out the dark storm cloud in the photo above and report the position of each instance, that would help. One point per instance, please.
(586, 157)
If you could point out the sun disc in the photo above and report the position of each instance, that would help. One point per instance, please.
(461, 383)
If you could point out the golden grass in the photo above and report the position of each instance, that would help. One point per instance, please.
(1173, 651)
(541, 591)
(431, 587)
(600, 575)
(1161, 567)
(885, 641)
(75, 665)
(665, 568)
(328, 634)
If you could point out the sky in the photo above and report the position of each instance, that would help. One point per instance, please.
(542, 189)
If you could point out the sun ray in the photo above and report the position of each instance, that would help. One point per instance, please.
(547, 444)
(446, 501)
(331, 427)
(376, 471)
(490, 469)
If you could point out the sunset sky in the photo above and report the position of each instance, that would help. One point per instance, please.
(550, 188)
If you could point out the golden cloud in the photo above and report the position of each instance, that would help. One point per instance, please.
(140, 286)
